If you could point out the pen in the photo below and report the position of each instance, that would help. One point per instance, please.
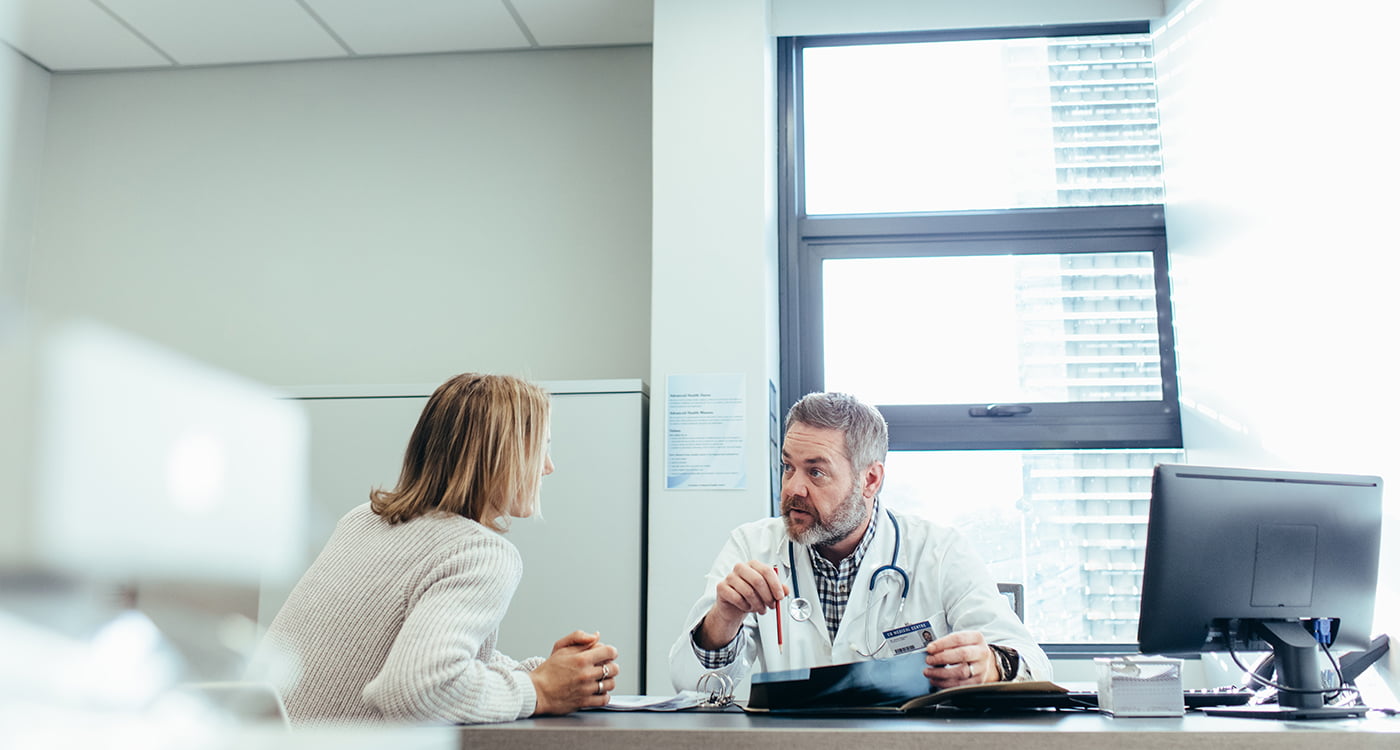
(778, 613)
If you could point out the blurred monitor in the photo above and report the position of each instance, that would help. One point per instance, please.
(1250, 560)
(136, 463)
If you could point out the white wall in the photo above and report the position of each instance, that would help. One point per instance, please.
(367, 221)
(1281, 163)
(714, 276)
(24, 92)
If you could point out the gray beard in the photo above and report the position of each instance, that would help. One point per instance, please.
(825, 532)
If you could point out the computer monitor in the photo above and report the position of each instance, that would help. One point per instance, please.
(1250, 560)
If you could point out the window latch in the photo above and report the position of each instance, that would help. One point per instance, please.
(998, 410)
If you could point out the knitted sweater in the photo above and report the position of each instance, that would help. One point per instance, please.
(398, 623)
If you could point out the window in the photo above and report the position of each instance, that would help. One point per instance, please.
(978, 120)
(973, 240)
(1070, 525)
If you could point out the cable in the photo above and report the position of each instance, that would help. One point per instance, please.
(1330, 694)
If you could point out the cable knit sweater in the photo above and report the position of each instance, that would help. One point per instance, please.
(398, 623)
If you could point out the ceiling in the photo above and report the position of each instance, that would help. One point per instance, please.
(76, 35)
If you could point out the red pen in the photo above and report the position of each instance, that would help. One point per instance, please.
(778, 612)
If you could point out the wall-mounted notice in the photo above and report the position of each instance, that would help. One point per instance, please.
(705, 432)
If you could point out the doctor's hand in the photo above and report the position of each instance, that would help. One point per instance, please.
(751, 587)
(961, 658)
(579, 672)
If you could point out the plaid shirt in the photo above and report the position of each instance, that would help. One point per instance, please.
(834, 583)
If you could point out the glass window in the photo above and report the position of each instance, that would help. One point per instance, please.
(1069, 525)
(974, 237)
(1003, 328)
(980, 124)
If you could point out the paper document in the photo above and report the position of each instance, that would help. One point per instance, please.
(683, 699)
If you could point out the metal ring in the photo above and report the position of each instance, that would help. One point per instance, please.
(606, 671)
(600, 688)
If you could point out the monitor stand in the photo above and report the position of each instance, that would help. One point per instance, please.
(1287, 713)
(1296, 666)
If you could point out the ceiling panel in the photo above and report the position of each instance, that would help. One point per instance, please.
(587, 22)
(211, 32)
(382, 27)
(69, 35)
(73, 35)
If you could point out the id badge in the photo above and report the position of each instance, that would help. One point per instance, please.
(909, 637)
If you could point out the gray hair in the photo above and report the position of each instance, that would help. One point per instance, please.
(867, 435)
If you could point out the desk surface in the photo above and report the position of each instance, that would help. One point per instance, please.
(1051, 730)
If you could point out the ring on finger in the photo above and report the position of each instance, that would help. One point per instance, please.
(600, 688)
(607, 671)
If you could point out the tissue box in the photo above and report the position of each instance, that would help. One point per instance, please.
(1140, 686)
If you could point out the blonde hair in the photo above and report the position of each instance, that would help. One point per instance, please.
(478, 451)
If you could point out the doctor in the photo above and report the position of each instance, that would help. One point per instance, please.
(838, 570)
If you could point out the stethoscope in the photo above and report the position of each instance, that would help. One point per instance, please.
(801, 609)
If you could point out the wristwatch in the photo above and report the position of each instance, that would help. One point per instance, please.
(1008, 661)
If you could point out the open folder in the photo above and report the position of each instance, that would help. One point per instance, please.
(882, 686)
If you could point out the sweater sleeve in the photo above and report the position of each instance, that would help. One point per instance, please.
(438, 668)
(502, 662)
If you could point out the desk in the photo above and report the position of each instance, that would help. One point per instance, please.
(1031, 730)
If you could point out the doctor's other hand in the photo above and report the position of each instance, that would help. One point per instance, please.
(751, 587)
(580, 672)
(960, 658)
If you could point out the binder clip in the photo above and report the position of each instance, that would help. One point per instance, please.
(718, 689)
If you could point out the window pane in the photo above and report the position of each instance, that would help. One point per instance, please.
(1071, 526)
(989, 124)
(1074, 327)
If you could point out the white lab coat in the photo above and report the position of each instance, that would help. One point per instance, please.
(949, 586)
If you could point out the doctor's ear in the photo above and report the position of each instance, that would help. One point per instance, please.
(873, 479)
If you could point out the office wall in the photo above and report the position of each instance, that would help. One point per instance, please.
(365, 221)
(1278, 136)
(23, 102)
(714, 281)
(24, 92)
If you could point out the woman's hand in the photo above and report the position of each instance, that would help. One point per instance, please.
(580, 672)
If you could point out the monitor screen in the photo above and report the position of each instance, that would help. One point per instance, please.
(1239, 558)
(151, 466)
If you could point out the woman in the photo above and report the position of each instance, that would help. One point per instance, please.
(396, 619)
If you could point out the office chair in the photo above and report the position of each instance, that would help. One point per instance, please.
(1015, 593)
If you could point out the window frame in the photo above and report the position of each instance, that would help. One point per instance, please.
(806, 241)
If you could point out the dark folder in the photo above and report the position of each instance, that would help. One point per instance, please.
(881, 686)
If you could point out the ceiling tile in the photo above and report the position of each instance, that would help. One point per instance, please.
(211, 32)
(382, 27)
(587, 22)
(73, 35)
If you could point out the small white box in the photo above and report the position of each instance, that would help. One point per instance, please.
(1140, 686)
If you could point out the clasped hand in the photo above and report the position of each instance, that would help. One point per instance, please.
(579, 673)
